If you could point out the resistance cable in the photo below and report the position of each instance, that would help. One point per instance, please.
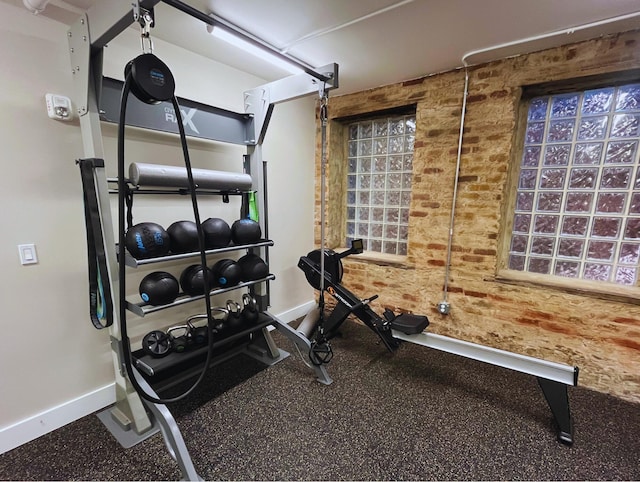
(320, 351)
(151, 81)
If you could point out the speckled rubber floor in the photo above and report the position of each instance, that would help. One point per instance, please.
(418, 414)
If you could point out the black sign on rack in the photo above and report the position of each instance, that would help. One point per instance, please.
(200, 120)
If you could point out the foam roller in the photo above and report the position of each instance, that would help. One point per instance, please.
(309, 323)
(158, 175)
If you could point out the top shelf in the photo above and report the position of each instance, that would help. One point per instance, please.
(134, 263)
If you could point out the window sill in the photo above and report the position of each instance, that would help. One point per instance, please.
(605, 291)
(379, 258)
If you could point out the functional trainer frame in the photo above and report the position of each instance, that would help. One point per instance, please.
(133, 419)
(553, 378)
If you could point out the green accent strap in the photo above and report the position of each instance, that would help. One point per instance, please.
(253, 207)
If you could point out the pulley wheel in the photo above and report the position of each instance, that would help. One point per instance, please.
(332, 267)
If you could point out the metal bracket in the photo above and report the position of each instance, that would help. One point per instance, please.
(261, 100)
(80, 52)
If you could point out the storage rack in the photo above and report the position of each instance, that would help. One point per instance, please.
(132, 419)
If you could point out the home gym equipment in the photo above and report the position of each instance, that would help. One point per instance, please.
(553, 378)
(217, 233)
(159, 288)
(250, 313)
(183, 236)
(348, 304)
(178, 338)
(147, 240)
(156, 343)
(245, 231)
(252, 267)
(193, 279)
(151, 80)
(226, 272)
(171, 176)
(135, 415)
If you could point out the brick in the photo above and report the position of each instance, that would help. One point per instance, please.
(598, 335)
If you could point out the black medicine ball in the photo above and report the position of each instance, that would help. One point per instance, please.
(227, 272)
(159, 288)
(245, 231)
(253, 267)
(147, 240)
(217, 233)
(192, 279)
(184, 237)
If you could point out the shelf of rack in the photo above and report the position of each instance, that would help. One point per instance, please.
(134, 263)
(143, 309)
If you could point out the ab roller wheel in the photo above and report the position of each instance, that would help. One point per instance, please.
(156, 344)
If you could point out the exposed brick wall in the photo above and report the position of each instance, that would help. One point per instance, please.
(601, 337)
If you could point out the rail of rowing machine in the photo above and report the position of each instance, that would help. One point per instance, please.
(347, 303)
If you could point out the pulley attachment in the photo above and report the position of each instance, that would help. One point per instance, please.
(320, 353)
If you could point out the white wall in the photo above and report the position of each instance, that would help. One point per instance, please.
(54, 366)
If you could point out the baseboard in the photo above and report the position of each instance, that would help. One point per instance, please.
(33, 427)
(40, 424)
(296, 312)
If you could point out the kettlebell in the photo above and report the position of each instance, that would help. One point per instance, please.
(250, 312)
(234, 321)
(180, 343)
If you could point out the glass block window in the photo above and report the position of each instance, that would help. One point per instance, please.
(380, 157)
(577, 208)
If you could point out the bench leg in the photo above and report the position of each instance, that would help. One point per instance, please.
(558, 400)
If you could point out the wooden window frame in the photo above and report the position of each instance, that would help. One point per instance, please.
(598, 289)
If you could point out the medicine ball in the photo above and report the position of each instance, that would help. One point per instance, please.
(245, 231)
(253, 267)
(159, 288)
(217, 233)
(184, 237)
(192, 279)
(227, 272)
(147, 240)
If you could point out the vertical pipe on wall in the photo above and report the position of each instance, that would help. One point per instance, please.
(443, 306)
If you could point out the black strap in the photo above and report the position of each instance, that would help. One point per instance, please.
(100, 300)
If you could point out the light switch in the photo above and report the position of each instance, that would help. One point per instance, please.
(28, 253)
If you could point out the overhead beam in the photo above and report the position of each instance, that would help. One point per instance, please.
(109, 18)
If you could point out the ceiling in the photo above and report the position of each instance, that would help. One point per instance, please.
(377, 42)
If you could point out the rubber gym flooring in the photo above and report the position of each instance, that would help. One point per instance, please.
(419, 414)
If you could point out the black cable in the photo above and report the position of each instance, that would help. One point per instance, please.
(122, 186)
